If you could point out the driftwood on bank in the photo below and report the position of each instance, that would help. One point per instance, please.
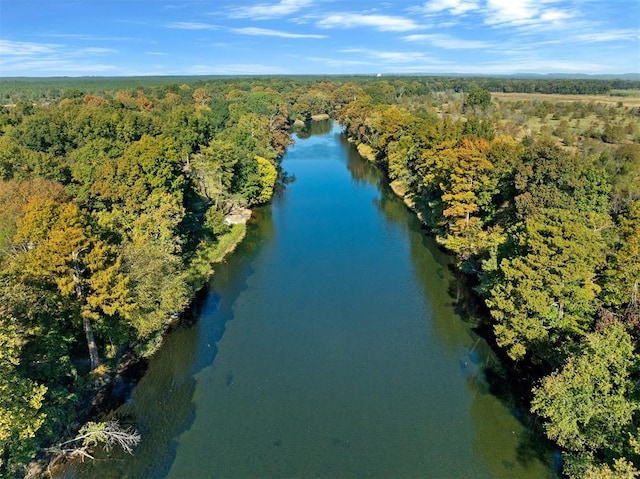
(93, 434)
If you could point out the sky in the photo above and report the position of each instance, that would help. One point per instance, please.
(257, 37)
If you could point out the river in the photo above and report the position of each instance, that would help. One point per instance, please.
(327, 346)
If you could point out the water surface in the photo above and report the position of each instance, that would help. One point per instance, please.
(328, 346)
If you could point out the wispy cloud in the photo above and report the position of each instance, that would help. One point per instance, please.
(192, 26)
(94, 51)
(86, 37)
(273, 33)
(236, 69)
(608, 36)
(264, 11)
(524, 12)
(502, 13)
(448, 42)
(456, 7)
(502, 68)
(537, 66)
(18, 57)
(339, 62)
(388, 56)
(385, 23)
(8, 47)
(55, 66)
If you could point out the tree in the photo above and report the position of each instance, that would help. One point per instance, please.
(546, 292)
(148, 165)
(550, 177)
(21, 400)
(346, 94)
(213, 169)
(268, 176)
(202, 99)
(13, 198)
(157, 283)
(622, 277)
(59, 249)
(93, 434)
(468, 170)
(590, 401)
(478, 100)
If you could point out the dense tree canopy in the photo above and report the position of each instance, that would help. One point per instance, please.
(548, 224)
(112, 191)
(105, 200)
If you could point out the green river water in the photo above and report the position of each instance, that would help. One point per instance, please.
(327, 346)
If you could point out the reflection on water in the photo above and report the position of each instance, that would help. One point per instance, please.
(314, 128)
(328, 346)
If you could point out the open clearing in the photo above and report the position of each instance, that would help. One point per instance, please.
(628, 101)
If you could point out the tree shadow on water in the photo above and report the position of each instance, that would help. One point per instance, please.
(161, 404)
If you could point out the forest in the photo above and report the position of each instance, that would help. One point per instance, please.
(114, 193)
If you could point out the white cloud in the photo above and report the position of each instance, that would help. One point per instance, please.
(383, 23)
(85, 37)
(456, 7)
(387, 56)
(273, 33)
(512, 67)
(20, 57)
(537, 66)
(555, 15)
(270, 10)
(8, 47)
(525, 12)
(192, 26)
(236, 69)
(448, 42)
(55, 66)
(511, 11)
(94, 51)
(337, 62)
(608, 36)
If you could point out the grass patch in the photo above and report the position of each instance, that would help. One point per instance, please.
(201, 266)
(626, 93)
(630, 100)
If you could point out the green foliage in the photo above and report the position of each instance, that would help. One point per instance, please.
(268, 176)
(478, 99)
(21, 401)
(622, 277)
(547, 290)
(213, 169)
(113, 199)
(158, 285)
(591, 400)
(106, 202)
(550, 177)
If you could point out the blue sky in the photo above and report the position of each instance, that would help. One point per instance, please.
(165, 37)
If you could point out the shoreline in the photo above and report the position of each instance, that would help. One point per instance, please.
(118, 383)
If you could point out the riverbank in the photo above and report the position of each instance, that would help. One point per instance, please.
(113, 387)
(508, 382)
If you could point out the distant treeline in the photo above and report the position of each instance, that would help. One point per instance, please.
(17, 89)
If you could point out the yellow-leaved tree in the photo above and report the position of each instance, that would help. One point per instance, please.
(58, 248)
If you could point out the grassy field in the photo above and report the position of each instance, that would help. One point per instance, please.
(568, 118)
(630, 99)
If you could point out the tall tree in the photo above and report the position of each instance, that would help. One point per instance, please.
(590, 401)
(468, 174)
(546, 293)
(60, 249)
